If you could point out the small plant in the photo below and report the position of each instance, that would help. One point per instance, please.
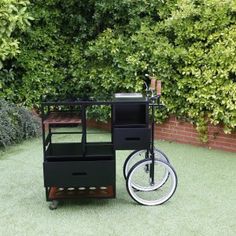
(16, 124)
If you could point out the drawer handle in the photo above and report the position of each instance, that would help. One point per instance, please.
(133, 139)
(79, 173)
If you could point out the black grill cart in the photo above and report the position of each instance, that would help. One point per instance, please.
(87, 169)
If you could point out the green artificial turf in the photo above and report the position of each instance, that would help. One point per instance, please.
(204, 203)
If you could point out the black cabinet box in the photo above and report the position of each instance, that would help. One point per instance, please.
(130, 114)
(130, 125)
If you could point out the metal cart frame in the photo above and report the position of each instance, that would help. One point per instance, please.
(88, 169)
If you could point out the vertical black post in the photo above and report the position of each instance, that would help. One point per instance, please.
(50, 133)
(43, 129)
(152, 144)
(84, 129)
(148, 151)
(112, 122)
(153, 133)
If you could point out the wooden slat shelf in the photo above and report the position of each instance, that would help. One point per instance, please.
(62, 118)
(83, 192)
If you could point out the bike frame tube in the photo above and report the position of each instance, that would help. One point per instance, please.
(152, 138)
(152, 145)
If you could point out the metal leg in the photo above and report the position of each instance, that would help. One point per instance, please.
(53, 205)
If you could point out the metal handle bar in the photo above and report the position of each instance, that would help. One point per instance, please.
(155, 85)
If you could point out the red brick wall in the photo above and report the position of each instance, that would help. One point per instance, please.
(184, 132)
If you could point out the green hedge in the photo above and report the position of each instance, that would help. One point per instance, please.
(17, 124)
(96, 48)
(13, 17)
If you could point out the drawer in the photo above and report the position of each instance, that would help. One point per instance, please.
(79, 173)
(131, 138)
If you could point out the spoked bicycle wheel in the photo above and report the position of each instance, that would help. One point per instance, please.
(139, 155)
(150, 190)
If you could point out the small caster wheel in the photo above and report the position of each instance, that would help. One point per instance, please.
(53, 205)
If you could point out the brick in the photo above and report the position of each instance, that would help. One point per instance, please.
(218, 143)
(190, 129)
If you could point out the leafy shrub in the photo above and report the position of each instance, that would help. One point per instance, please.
(13, 17)
(16, 124)
(96, 48)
